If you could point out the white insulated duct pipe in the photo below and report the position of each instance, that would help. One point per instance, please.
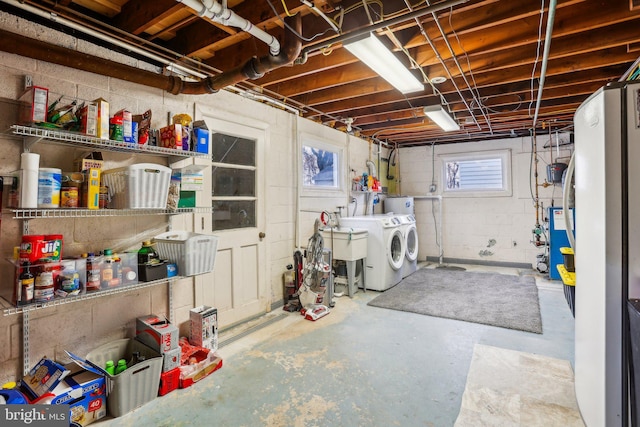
(545, 57)
(214, 11)
(86, 30)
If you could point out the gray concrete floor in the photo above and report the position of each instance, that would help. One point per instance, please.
(358, 366)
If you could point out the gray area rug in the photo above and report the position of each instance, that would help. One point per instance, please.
(493, 299)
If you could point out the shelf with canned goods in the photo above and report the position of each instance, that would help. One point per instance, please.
(34, 135)
(91, 213)
(8, 308)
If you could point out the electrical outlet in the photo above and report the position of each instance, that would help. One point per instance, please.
(432, 188)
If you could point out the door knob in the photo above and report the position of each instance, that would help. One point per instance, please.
(262, 235)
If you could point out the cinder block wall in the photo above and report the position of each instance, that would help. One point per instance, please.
(479, 228)
(82, 326)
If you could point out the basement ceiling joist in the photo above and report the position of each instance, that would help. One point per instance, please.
(489, 51)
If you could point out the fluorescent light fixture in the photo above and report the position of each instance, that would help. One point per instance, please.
(372, 52)
(441, 117)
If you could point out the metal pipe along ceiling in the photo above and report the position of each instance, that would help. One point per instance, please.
(254, 68)
(215, 12)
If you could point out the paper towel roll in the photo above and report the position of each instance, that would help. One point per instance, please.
(29, 163)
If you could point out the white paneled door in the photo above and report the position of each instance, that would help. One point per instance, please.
(234, 187)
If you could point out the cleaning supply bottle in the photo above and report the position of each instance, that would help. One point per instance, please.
(110, 367)
(147, 254)
(121, 367)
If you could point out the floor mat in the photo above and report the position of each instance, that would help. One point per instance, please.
(507, 301)
(512, 388)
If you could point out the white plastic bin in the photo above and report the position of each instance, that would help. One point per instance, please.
(139, 186)
(135, 386)
(194, 253)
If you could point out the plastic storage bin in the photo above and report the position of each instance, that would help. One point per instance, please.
(194, 253)
(135, 386)
(139, 186)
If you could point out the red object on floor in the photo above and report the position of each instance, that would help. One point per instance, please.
(169, 381)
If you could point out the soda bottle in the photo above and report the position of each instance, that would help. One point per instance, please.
(110, 367)
(121, 367)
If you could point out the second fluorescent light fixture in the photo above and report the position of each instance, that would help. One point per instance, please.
(441, 117)
(373, 53)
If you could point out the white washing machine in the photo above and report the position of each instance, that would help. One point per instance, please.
(410, 235)
(385, 249)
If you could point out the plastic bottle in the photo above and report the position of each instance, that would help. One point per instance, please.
(93, 272)
(106, 273)
(26, 283)
(110, 367)
(121, 367)
(147, 254)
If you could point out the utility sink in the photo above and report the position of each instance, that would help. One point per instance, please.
(346, 243)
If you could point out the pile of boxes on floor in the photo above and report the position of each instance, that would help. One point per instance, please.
(152, 364)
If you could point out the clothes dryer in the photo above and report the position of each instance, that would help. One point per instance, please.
(385, 249)
(410, 236)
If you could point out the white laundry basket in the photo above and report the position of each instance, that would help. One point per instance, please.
(194, 253)
(139, 186)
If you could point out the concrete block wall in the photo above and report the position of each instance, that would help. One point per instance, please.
(477, 228)
(80, 327)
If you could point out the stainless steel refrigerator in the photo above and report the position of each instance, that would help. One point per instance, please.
(607, 252)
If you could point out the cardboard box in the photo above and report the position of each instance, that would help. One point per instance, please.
(200, 137)
(196, 363)
(127, 130)
(204, 327)
(169, 381)
(171, 137)
(43, 377)
(84, 390)
(171, 359)
(91, 189)
(88, 161)
(33, 105)
(157, 332)
(102, 126)
(89, 119)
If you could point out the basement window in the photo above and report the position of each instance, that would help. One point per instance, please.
(321, 167)
(477, 174)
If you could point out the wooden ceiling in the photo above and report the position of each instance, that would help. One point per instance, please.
(490, 52)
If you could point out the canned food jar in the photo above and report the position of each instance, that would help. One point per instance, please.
(103, 197)
(44, 288)
(69, 197)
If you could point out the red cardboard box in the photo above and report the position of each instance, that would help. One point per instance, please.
(157, 333)
(171, 136)
(169, 381)
(196, 363)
